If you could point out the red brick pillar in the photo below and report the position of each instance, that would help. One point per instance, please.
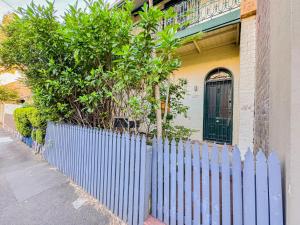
(248, 8)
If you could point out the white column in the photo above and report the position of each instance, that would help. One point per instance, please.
(247, 83)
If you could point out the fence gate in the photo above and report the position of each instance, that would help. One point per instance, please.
(193, 185)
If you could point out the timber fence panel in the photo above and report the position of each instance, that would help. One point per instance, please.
(114, 168)
(180, 183)
(216, 187)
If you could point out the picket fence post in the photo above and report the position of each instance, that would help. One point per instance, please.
(249, 190)
(262, 198)
(215, 176)
(126, 177)
(275, 190)
(166, 181)
(173, 193)
(226, 195)
(180, 183)
(205, 186)
(237, 187)
(154, 178)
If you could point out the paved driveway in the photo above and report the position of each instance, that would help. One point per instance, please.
(33, 193)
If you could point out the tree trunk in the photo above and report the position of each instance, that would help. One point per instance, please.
(167, 102)
(157, 98)
(158, 111)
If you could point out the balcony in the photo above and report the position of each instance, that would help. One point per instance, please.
(199, 15)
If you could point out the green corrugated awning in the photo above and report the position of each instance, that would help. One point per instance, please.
(215, 23)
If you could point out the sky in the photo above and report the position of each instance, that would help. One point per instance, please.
(7, 6)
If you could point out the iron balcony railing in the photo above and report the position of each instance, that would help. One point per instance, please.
(192, 12)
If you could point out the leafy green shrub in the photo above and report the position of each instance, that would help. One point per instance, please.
(7, 95)
(29, 122)
(33, 134)
(96, 63)
(34, 117)
(40, 136)
(177, 132)
(23, 124)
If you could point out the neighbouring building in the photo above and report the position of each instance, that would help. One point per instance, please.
(277, 98)
(219, 67)
(11, 79)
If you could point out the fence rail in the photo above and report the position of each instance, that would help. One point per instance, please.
(191, 189)
(109, 166)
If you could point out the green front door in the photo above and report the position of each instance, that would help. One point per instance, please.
(218, 107)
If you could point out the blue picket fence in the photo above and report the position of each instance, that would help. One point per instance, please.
(193, 185)
(111, 167)
(178, 183)
(28, 141)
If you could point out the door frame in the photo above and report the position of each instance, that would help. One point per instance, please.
(211, 72)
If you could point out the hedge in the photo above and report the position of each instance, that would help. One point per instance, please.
(22, 122)
(40, 135)
(29, 123)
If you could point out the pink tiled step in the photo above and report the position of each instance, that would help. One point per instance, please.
(152, 221)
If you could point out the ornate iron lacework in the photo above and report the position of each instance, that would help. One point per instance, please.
(192, 12)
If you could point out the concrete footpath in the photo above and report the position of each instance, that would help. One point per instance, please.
(33, 193)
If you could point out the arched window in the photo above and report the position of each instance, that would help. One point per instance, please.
(219, 74)
(218, 106)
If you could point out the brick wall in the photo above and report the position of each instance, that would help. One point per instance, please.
(261, 124)
(248, 8)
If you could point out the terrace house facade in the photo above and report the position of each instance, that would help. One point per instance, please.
(219, 68)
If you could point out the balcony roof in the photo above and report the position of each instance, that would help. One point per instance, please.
(227, 35)
(223, 20)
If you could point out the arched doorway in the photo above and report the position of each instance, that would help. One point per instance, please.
(218, 106)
